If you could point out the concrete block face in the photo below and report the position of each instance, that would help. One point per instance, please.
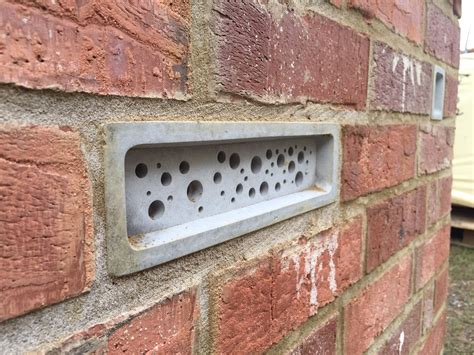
(321, 341)
(405, 17)
(45, 218)
(290, 58)
(401, 83)
(106, 47)
(436, 148)
(376, 157)
(442, 36)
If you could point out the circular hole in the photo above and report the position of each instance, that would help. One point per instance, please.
(284, 181)
(272, 164)
(184, 167)
(304, 148)
(148, 193)
(156, 209)
(239, 189)
(284, 171)
(269, 154)
(141, 170)
(232, 199)
(307, 162)
(277, 186)
(221, 157)
(284, 150)
(246, 178)
(256, 164)
(300, 157)
(217, 177)
(252, 192)
(271, 174)
(280, 160)
(299, 178)
(170, 198)
(291, 166)
(310, 152)
(200, 209)
(292, 181)
(296, 146)
(222, 193)
(242, 170)
(290, 151)
(166, 179)
(266, 171)
(277, 151)
(158, 165)
(264, 188)
(234, 161)
(194, 191)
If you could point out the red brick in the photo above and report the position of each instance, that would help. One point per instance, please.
(108, 47)
(290, 58)
(441, 290)
(431, 255)
(392, 224)
(166, 328)
(337, 3)
(457, 8)
(406, 17)
(401, 83)
(439, 199)
(436, 148)
(46, 252)
(367, 315)
(321, 341)
(450, 96)
(428, 306)
(442, 36)
(375, 158)
(435, 341)
(265, 302)
(406, 336)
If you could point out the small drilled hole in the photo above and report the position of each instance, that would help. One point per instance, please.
(300, 157)
(277, 186)
(290, 151)
(269, 154)
(256, 164)
(194, 191)
(170, 198)
(148, 193)
(217, 178)
(232, 199)
(264, 188)
(252, 192)
(291, 167)
(280, 160)
(272, 164)
(166, 179)
(222, 193)
(141, 170)
(239, 189)
(284, 181)
(200, 209)
(156, 209)
(234, 161)
(307, 162)
(184, 167)
(304, 148)
(221, 157)
(158, 166)
(266, 171)
(246, 178)
(284, 150)
(277, 151)
(310, 152)
(284, 171)
(299, 178)
(242, 170)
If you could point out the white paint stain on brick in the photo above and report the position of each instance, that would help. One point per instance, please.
(402, 340)
(412, 70)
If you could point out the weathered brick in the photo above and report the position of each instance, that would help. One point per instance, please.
(166, 328)
(46, 232)
(442, 36)
(436, 148)
(394, 223)
(435, 341)
(108, 47)
(406, 336)
(431, 255)
(288, 58)
(441, 290)
(263, 303)
(337, 3)
(406, 17)
(367, 315)
(401, 83)
(428, 306)
(320, 341)
(376, 157)
(450, 96)
(439, 199)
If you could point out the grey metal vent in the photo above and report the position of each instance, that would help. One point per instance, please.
(438, 93)
(175, 188)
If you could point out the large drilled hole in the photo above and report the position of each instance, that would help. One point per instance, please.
(300, 157)
(277, 186)
(280, 160)
(234, 161)
(217, 178)
(252, 193)
(299, 178)
(141, 170)
(184, 167)
(194, 191)
(264, 188)
(166, 179)
(256, 164)
(156, 209)
(239, 189)
(290, 151)
(221, 157)
(269, 154)
(291, 166)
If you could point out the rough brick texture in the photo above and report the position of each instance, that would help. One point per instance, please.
(167, 328)
(45, 219)
(439, 199)
(401, 83)
(108, 47)
(289, 58)
(442, 36)
(441, 290)
(436, 148)
(321, 341)
(450, 96)
(369, 313)
(428, 306)
(394, 223)
(262, 304)
(406, 17)
(376, 157)
(431, 255)
(406, 335)
(435, 341)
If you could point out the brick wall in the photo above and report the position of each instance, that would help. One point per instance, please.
(366, 273)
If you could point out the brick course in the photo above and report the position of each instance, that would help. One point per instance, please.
(436, 148)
